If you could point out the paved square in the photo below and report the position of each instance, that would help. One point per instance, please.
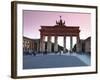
(54, 61)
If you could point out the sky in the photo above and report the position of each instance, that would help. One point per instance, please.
(32, 20)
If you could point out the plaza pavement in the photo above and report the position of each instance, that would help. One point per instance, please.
(55, 61)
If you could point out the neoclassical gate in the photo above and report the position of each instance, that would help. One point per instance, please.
(60, 29)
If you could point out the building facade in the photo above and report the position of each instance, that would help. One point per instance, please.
(28, 44)
(84, 45)
(88, 45)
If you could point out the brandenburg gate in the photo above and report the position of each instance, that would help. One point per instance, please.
(60, 29)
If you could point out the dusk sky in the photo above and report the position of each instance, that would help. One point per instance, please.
(34, 19)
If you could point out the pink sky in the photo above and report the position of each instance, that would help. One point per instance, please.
(34, 19)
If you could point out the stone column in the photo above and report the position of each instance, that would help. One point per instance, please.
(56, 44)
(49, 44)
(77, 46)
(64, 43)
(78, 39)
(23, 46)
(38, 46)
(32, 45)
(42, 44)
(71, 43)
(29, 45)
